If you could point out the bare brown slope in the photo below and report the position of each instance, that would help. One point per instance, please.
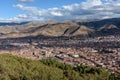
(59, 29)
(63, 28)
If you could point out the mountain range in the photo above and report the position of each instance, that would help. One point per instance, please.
(62, 28)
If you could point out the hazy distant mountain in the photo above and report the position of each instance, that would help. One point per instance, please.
(63, 28)
(12, 23)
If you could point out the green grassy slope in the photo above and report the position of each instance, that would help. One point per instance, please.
(16, 68)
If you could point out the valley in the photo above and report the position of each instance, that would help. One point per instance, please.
(70, 42)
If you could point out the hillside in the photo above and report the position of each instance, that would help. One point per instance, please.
(63, 28)
(16, 68)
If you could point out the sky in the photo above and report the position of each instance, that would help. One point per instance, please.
(44, 10)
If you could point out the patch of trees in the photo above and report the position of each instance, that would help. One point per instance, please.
(81, 72)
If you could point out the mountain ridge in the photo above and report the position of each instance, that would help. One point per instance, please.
(63, 28)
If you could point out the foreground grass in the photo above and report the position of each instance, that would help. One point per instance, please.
(16, 68)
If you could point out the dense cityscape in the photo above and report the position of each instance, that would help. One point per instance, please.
(99, 51)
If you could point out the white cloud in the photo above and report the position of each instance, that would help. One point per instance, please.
(56, 13)
(89, 9)
(20, 18)
(26, 0)
(92, 2)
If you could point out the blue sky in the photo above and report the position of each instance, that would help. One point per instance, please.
(43, 10)
(8, 10)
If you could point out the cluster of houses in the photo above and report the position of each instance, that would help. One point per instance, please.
(100, 51)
